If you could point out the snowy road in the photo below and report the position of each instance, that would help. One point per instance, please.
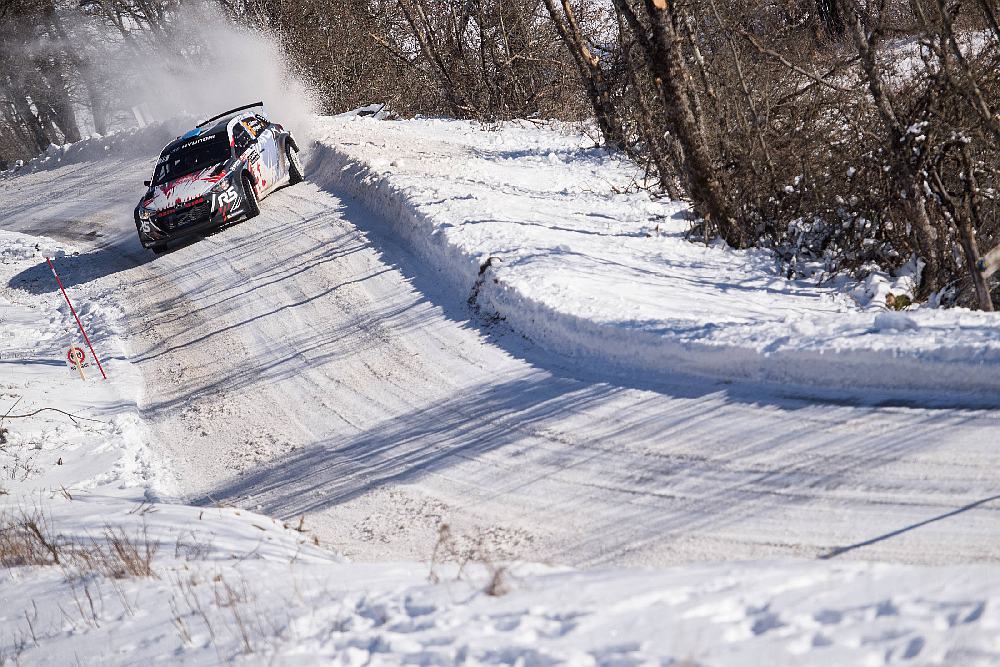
(305, 364)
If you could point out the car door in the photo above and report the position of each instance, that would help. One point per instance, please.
(267, 146)
(245, 148)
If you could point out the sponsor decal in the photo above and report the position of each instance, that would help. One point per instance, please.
(226, 203)
(228, 198)
(196, 142)
(192, 185)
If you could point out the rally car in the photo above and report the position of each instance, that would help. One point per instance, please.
(214, 175)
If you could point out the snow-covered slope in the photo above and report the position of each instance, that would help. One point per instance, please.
(319, 369)
(109, 446)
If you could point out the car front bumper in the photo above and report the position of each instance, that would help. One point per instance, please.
(195, 217)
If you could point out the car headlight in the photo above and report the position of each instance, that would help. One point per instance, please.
(145, 214)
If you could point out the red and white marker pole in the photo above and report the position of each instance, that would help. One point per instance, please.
(78, 322)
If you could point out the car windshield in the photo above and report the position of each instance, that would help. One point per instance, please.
(192, 156)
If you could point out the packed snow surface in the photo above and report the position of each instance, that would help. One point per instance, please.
(316, 383)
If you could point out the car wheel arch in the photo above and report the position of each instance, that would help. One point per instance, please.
(248, 174)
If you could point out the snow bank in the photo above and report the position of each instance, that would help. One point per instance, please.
(221, 595)
(77, 465)
(584, 263)
(101, 444)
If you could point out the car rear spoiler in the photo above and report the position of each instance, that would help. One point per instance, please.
(223, 115)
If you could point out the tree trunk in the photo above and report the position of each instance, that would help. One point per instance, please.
(417, 20)
(50, 90)
(96, 99)
(647, 126)
(830, 17)
(591, 72)
(36, 134)
(912, 201)
(666, 59)
(967, 218)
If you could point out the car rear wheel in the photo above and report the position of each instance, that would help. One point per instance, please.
(158, 249)
(294, 164)
(252, 206)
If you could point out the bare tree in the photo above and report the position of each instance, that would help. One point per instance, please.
(662, 44)
(830, 17)
(493, 59)
(592, 71)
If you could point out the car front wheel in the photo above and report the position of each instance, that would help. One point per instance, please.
(252, 206)
(294, 164)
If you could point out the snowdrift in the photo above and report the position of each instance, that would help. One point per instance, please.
(539, 228)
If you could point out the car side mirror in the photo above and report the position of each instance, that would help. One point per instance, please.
(147, 183)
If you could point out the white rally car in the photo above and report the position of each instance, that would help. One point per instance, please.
(216, 174)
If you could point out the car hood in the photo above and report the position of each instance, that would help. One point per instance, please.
(184, 189)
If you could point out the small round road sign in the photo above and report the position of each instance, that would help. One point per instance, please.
(76, 356)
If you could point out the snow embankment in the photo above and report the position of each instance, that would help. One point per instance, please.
(552, 235)
(93, 563)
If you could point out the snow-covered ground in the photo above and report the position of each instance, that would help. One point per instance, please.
(314, 383)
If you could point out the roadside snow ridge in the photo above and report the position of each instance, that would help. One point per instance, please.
(585, 264)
